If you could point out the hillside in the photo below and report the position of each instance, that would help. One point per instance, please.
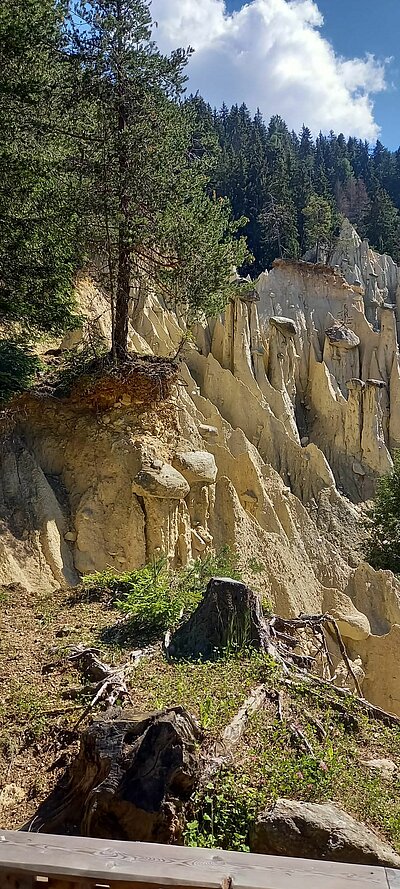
(267, 436)
(295, 190)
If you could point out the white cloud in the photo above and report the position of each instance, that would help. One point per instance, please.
(271, 54)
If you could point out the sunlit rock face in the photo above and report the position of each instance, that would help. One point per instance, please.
(284, 415)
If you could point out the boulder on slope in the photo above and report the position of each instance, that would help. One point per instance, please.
(310, 830)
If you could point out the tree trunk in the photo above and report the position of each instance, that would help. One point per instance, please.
(123, 291)
(130, 780)
(120, 327)
(230, 615)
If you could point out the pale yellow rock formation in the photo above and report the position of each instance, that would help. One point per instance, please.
(284, 416)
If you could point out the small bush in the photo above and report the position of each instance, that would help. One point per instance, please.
(383, 547)
(157, 598)
(18, 368)
(224, 814)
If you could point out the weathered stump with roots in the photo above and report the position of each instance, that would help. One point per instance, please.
(229, 615)
(130, 780)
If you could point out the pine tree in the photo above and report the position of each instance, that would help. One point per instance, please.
(383, 547)
(278, 217)
(383, 225)
(38, 219)
(144, 176)
(318, 223)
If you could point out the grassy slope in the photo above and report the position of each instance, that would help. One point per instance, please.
(37, 712)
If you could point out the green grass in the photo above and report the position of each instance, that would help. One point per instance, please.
(270, 761)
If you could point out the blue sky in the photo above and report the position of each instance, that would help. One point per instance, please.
(332, 64)
(358, 26)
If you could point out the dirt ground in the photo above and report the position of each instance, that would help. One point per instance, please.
(40, 693)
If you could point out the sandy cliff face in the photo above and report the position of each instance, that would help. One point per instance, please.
(284, 414)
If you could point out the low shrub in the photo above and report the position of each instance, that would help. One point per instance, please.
(19, 367)
(155, 597)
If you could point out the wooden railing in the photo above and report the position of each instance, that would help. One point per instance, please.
(57, 862)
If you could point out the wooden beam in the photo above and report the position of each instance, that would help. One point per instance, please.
(16, 881)
(150, 866)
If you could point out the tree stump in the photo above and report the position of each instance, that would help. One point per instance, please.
(229, 615)
(130, 780)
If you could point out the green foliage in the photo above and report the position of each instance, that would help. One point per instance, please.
(18, 369)
(383, 524)
(38, 218)
(224, 815)
(318, 222)
(271, 174)
(144, 165)
(272, 762)
(383, 225)
(155, 598)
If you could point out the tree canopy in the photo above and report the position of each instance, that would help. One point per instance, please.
(39, 241)
(270, 175)
(383, 548)
(103, 158)
(144, 168)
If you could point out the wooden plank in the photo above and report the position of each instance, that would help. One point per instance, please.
(148, 865)
(16, 881)
(393, 878)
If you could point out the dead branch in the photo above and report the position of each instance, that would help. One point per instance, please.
(235, 729)
(111, 681)
(300, 738)
(317, 725)
(316, 623)
(371, 709)
(280, 706)
(109, 691)
(89, 662)
(331, 620)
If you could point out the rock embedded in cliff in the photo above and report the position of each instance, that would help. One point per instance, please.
(210, 433)
(166, 482)
(285, 325)
(384, 768)
(197, 467)
(355, 384)
(131, 779)
(342, 337)
(352, 623)
(324, 832)
(376, 384)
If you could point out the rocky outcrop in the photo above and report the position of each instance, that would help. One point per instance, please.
(34, 524)
(379, 275)
(308, 830)
(341, 363)
(284, 415)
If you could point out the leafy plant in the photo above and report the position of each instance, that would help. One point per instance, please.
(224, 813)
(18, 369)
(383, 524)
(157, 598)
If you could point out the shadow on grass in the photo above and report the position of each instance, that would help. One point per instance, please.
(130, 633)
(81, 594)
